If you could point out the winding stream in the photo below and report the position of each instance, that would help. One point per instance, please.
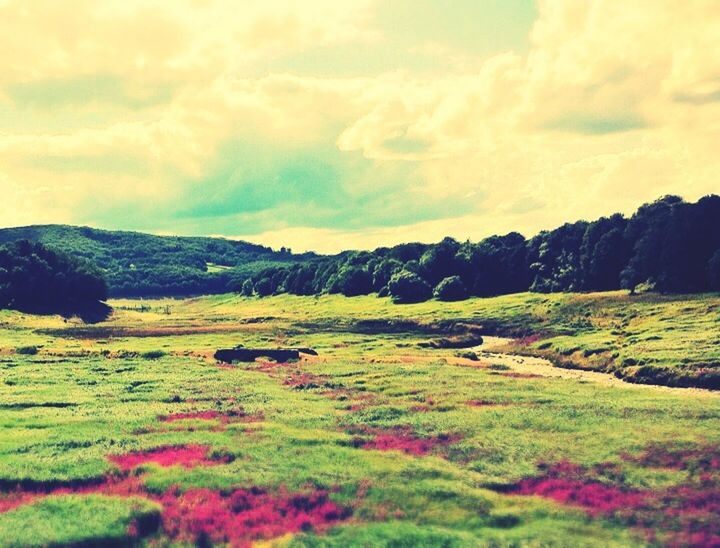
(491, 351)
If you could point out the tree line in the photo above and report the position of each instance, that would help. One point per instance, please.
(668, 245)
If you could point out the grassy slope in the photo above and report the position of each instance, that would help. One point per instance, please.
(149, 260)
(64, 410)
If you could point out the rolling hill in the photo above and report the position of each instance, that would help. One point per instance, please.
(137, 264)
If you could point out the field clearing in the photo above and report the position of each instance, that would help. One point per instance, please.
(128, 431)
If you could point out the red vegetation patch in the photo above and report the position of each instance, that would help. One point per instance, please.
(429, 405)
(195, 415)
(596, 498)
(267, 366)
(16, 498)
(528, 340)
(683, 515)
(703, 458)
(484, 403)
(357, 399)
(187, 456)
(233, 416)
(112, 485)
(203, 516)
(421, 408)
(516, 375)
(400, 439)
(305, 381)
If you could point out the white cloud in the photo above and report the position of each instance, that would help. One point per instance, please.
(614, 103)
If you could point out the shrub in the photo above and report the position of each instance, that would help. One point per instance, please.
(27, 350)
(450, 289)
(407, 287)
(153, 354)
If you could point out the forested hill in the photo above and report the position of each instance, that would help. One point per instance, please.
(136, 264)
(668, 245)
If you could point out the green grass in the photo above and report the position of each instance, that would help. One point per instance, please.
(94, 391)
(67, 520)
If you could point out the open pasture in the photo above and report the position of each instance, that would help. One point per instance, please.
(128, 432)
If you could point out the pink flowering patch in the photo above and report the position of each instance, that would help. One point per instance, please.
(703, 458)
(528, 340)
(268, 367)
(187, 456)
(425, 407)
(399, 442)
(204, 516)
(421, 408)
(401, 439)
(569, 483)
(358, 400)
(305, 381)
(516, 375)
(682, 515)
(595, 498)
(112, 485)
(16, 498)
(233, 416)
(484, 403)
(196, 415)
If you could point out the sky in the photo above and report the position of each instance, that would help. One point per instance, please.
(336, 124)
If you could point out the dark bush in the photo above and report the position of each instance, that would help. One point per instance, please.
(27, 350)
(153, 354)
(407, 287)
(355, 281)
(450, 289)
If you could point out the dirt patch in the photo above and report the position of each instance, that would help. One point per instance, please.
(187, 456)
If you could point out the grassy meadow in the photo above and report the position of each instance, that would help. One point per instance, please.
(128, 432)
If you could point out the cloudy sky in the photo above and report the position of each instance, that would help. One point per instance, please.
(328, 124)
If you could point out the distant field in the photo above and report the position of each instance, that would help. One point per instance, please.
(128, 431)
